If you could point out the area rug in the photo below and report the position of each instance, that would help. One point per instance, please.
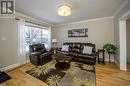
(78, 74)
(4, 77)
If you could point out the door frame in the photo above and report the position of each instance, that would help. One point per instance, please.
(122, 41)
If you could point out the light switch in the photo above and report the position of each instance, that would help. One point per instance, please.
(3, 38)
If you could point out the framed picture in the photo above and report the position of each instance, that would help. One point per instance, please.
(78, 32)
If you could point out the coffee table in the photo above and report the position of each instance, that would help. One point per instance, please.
(63, 61)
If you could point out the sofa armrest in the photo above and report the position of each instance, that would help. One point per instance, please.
(35, 53)
(94, 53)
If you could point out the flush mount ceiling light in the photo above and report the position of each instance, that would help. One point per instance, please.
(64, 10)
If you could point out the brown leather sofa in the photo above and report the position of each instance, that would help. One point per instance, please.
(76, 49)
(39, 55)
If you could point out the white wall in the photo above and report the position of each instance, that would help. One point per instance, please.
(8, 42)
(128, 39)
(100, 32)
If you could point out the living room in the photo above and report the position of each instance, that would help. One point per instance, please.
(37, 33)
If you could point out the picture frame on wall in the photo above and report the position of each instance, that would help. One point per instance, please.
(83, 32)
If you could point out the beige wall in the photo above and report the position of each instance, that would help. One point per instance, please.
(128, 39)
(100, 32)
(8, 42)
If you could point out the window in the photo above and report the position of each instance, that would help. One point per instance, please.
(36, 35)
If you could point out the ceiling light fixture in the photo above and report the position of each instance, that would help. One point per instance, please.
(64, 10)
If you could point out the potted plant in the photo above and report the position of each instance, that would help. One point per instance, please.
(110, 48)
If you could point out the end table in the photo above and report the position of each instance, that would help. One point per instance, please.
(101, 56)
(111, 53)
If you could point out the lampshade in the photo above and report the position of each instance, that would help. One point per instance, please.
(54, 40)
(64, 10)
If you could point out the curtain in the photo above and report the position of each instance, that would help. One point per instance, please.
(21, 42)
(49, 38)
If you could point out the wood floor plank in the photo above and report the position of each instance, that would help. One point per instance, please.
(110, 75)
(106, 75)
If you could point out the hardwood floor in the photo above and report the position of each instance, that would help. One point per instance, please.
(110, 75)
(106, 75)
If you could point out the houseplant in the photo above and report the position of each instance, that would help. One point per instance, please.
(110, 48)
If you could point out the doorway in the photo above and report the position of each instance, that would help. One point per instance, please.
(123, 35)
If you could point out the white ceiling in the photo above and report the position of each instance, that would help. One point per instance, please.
(81, 9)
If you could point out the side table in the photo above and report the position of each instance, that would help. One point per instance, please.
(55, 50)
(101, 56)
(111, 53)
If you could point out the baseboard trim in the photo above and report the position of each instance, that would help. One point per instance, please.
(12, 66)
(9, 67)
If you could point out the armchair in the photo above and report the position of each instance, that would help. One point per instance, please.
(39, 55)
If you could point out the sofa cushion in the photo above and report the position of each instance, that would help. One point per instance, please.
(70, 44)
(87, 44)
(46, 54)
(87, 50)
(76, 47)
(74, 54)
(65, 48)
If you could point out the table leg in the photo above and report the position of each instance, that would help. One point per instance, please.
(109, 58)
(114, 59)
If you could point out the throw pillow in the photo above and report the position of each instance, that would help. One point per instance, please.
(87, 50)
(65, 48)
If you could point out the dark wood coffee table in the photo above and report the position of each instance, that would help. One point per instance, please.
(63, 61)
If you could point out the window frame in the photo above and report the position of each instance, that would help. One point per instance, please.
(41, 35)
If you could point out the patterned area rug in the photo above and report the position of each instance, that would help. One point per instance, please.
(78, 74)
